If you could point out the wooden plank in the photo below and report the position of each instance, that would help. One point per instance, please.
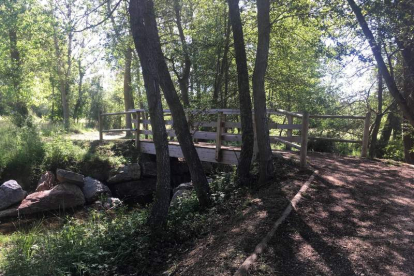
(284, 126)
(289, 131)
(219, 131)
(337, 117)
(117, 113)
(335, 140)
(283, 112)
(293, 139)
(365, 139)
(119, 130)
(229, 156)
(304, 142)
(282, 140)
(137, 126)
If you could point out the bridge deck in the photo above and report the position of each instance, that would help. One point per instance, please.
(206, 151)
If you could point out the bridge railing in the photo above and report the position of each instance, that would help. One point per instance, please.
(216, 132)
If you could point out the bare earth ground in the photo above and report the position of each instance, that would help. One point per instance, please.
(356, 219)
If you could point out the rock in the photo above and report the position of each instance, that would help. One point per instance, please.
(11, 193)
(69, 177)
(109, 203)
(149, 168)
(178, 195)
(183, 190)
(61, 197)
(184, 186)
(11, 212)
(93, 189)
(46, 182)
(139, 191)
(126, 173)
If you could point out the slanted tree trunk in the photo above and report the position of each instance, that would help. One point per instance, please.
(78, 105)
(259, 94)
(180, 124)
(389, 80)
(128, 97)
(392, 125)
(141, 15)
(183, 80)
(243, 169)
(373, 146)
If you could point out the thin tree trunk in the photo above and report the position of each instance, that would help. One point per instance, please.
(243, 169)
(180, 124)
(389, 80)
(78, 105)
(184, 79)
(259, 94)
(141, 14)
(392, 125)
(128, 97)
(373, 146)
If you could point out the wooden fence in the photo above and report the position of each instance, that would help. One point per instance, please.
(215, 133)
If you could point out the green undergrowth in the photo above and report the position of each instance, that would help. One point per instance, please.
(120, 242)
(27, 151)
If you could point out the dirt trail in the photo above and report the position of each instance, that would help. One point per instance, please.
(356, 219)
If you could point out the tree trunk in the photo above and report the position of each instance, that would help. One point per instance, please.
(78, 105)
(128, 97)
(373, 146)
(392, 125)
(408, 141)
(243, 169)
(259, 93)
(141, 14)
(180, 124)
(184, 79)
(389, 80)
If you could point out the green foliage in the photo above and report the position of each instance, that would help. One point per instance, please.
(394, 150)
(106, 243)
(21, 152)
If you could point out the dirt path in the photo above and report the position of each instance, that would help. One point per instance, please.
(357, 218)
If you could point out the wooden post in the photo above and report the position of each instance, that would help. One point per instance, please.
(304, 139)
(100, 127)
(289, 131)
(137, 129)
(365, 138)
(218, 135)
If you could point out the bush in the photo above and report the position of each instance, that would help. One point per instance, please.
(21, 153)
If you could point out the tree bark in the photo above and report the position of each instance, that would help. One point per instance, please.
(141, 15)
(259, 93)
(128, 97)
(392, 125)
(183, 80)
(374, 137)
(389, 80)
(180, 124)
(243, 169)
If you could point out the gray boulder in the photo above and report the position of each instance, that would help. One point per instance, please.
(69, 177)
(93, 189)
(11, 212)
(11, 193)
(183, 190)
(126, 173)
(139, 191)
(46, 182)
(61, 197)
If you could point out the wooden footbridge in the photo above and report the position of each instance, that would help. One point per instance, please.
(217, 132)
